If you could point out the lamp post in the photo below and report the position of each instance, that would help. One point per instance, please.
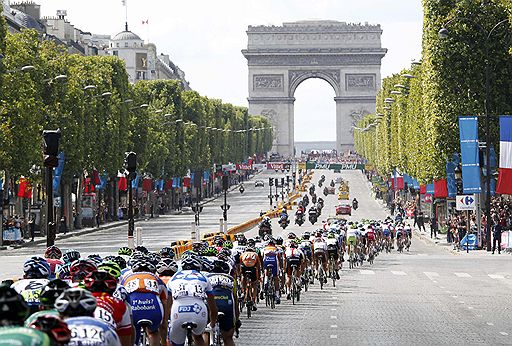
(130, 163)
(225, 207)
(270, 184)
(444, 33)
(51, 140)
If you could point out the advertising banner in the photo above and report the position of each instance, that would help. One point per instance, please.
(334, 166)
(229, 168)
(278, 166)
(259, 166)
(468, 126)
(12, 234)
(244, 167)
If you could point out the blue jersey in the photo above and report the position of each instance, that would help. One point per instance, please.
(88, 331)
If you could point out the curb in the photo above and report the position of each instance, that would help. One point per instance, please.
(426, 240)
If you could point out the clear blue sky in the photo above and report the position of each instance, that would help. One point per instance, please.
(205, 38)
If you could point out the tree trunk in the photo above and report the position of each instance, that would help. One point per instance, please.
(79, 204)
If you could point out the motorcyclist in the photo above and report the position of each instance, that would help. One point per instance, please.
(242, 188)
(355, 204)
(332, 183)
(300, 210)
(283, 216)
(313, 198)
(313, 214)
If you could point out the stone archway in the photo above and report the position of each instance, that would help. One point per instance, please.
(280, 58)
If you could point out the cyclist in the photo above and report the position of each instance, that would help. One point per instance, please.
(333, 251)
(109, 309)
(250, 269)
(13, 311)
(79, 269)
(167, 252)
(352, 239)
(188, 290)
(147, 296)
(294, 257)
(166, 268)
(53, 256)
(54, 327)
(49, 293)
(320, 252)
(70, 256)
(77, 306)
(224, 290)
(272, 261)
(370, 238)
(36, 272)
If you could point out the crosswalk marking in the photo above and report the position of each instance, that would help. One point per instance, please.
(496, 276)
(463, 275)
(367, 272)
(431, 274)
(400, 273)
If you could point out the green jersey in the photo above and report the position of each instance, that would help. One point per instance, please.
(22, 336)
(35, 315)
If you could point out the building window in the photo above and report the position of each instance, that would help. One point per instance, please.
(115, 53)
(126, 44)
(141, 75)
(117, 44)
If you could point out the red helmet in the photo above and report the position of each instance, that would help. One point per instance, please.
(53, 252)
(54, 327)
(80, 268)
(100, 281)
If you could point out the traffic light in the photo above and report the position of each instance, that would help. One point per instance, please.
(51, 140)
(225, 182)
(270, 182)
(198, 178)
(130, 162)
(282, 181)
(277, 182)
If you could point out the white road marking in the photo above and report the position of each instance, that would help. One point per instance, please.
(470, 307)
(333, 336)
(496, 276)
(431, 275)
(490, 324)
(503, 333)
(334, 326)
(449, 292)
(367, 272)
(333, 309)
(463, 275)
(334, 317)
(454, 296)
(400, 273)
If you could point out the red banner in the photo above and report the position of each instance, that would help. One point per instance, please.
(440, 188)
(122, 185)
(147, 185)
(276, 165)
(244, 167)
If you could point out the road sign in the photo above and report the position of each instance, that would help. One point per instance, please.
(466, 202)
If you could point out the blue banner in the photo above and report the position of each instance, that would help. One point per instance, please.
(103, 182)
(450, 179)
(430, 189)
(58, 174)
(135, 182)
(416, 184)
(206, 176)
(468, 126)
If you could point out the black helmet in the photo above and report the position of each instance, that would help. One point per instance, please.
(221, 267)
(76, 302)
(13, 308)
(51, 291)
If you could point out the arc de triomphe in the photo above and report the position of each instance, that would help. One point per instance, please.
(347, 56)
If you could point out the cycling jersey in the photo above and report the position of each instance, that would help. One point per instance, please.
(332, 244)
(223, 289)
(145, 295)
(386, 232)
(30, 289)
(370, 234)
(249, 259)
(113, 311)
(319, 245)
(89, 331)
(189, 289)
(22, 336)
(54, 265)
(270, 258)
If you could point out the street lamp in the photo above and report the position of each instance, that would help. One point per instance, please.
(51, 140)
(225, 207)
(89, 87)
(444, 33)
(130, 162)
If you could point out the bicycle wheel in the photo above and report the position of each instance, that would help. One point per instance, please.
(249, 309)
(298, 289)
(321, 277)
(293, 292)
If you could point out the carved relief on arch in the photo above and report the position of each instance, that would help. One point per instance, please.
(272, 115)
(356, 115)
(295, 77)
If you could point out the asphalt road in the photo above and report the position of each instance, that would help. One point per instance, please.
(428, 296)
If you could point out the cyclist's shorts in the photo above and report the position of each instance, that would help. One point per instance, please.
(271, 262)
(225, 304)
(308, 253)
(187, 311)
(292, 261)
(352, 240)
(333, 254)
(146, 306)
(252, 273)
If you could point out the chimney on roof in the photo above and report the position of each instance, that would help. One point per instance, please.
(61, 14)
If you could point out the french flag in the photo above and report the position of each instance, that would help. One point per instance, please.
(505, 172)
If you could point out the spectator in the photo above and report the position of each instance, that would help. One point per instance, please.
(433, 227)
(421, 221)
(496, 234)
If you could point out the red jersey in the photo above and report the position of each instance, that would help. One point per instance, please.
(113, 311)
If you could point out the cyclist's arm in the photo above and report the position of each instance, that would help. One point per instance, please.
(235, 299)
(212, 308)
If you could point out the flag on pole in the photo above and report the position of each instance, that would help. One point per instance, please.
(505, 170)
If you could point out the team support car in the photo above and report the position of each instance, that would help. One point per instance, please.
(259, 183)
(344, 209)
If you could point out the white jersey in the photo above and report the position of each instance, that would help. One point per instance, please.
(293, 253)
(352, 232)
(239, 249)
(190, 285)
(90, 331)
(319, 244)
(332, 243)
(30, 289)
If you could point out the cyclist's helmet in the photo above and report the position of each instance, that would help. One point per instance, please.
(331, 235)
(50, 292)
(190, 264)
(206, 265)
(142, 249)
(95, 258)
(218, 241)
(63, 272)
(167, 252)
(210, 251)
(53, 252)
(125, 251)
(100, 281)
(111, 267)
(279, 241)
(306, 236)
(221, 267)
(257, 239)
(154, 258)
(242, 241)
(13, 308)
(291, 235)
(143, 266)
(251, 242)
(54, 327)
(225, 252)
(223, 257)
(187, 254)
(80, 269)
(166, 267)
(36, 268)
(70, 256)
(293, 244)
(228, 244)
(271, 241)
(250, 248)
(75, 302)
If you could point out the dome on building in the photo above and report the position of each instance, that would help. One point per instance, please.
(126, 36)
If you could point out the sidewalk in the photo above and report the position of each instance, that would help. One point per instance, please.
(113, 224)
